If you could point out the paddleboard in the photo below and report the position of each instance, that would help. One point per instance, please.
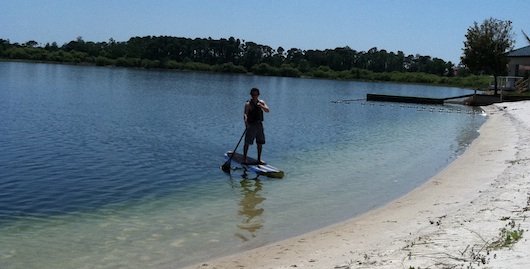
(252, 165)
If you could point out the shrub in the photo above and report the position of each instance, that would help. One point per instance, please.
(197, 66)
(265, 69)
(102, 61)
(289, 71)
(229, 68)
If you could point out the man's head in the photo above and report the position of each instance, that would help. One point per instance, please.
(254, 92)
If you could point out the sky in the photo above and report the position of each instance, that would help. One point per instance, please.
(433, 28)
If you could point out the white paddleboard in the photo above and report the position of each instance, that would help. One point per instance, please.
(252, 165)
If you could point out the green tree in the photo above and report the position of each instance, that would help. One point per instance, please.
(51, 47)
(485, 47)
(4, 44)
(252, 54)
(31, 44)
(295, 55)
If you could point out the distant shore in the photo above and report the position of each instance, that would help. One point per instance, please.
(474, 213)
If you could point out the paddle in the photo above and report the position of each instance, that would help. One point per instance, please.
(226, 166)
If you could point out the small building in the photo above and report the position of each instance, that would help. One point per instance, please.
(518, 71)
(519, 62)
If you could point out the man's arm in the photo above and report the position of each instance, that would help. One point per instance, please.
(263, 106)
(245, 113)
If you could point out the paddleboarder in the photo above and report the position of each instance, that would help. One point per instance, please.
(253, 117)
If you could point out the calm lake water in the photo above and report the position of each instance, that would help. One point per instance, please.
(119, 168)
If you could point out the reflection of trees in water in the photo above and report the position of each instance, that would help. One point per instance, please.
(249, 209)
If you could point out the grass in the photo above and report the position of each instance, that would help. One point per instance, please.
(477, 258)
(508, 236)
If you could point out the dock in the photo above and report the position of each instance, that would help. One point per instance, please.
(411, 99)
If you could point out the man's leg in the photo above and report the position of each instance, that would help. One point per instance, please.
(260, 140)
(260, 146)
(245, 151)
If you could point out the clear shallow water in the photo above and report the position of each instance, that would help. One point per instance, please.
(119, 168)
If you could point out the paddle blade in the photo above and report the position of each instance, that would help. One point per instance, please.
(226, 167)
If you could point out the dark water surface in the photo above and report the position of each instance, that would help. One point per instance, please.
(119, 168)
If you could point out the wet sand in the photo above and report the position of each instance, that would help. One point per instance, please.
(452, 221)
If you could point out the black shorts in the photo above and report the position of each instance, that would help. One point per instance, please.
(255, 131)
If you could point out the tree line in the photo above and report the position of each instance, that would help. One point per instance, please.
(238, 56)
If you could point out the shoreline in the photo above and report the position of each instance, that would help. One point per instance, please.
(452, 220)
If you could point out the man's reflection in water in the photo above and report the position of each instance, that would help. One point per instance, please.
(249, 208)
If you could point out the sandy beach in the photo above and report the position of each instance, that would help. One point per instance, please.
(460, 218)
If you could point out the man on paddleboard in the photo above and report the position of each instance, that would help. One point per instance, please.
(253, 117)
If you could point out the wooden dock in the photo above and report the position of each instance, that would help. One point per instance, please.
(411, 99)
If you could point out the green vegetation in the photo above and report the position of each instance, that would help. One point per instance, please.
(235, 56)
(508, 236)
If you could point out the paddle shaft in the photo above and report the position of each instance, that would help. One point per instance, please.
(226, 165)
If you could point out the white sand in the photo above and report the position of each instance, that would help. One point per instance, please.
(449, 222)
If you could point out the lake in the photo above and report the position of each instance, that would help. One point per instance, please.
(119, 168)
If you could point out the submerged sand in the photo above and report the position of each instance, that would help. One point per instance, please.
(452, 221)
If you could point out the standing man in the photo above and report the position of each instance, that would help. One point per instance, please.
(253, 117)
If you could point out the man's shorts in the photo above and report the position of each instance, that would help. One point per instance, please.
(255, 131)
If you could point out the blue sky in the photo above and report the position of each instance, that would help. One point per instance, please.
(434, 28)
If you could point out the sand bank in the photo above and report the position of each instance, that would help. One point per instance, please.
(452, 221)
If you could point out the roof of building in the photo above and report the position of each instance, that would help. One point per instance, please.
(521, 52)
